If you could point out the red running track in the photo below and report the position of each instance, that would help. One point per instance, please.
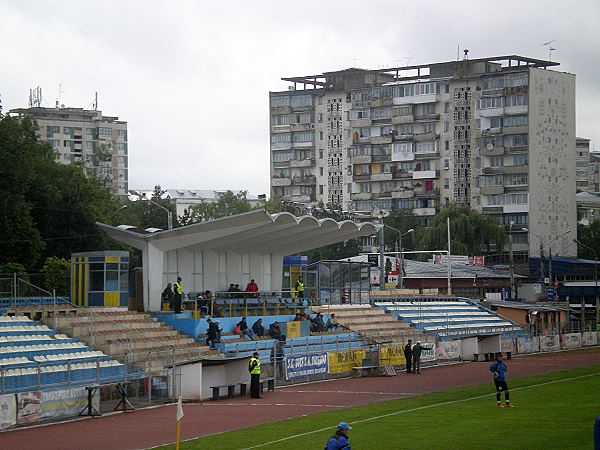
(156, 426)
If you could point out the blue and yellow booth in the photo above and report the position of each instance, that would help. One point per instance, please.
(100, 278)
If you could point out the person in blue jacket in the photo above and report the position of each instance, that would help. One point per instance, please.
(340, 439)
(499, 369)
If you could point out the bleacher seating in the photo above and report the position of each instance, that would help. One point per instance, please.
(35, 357)
(231, 345)
(447, 317)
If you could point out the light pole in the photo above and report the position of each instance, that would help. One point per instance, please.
(381, 255)
(142, 196)
(512, 264)
(542, 268)
(578, 242)
(399, 246)
(550, 281)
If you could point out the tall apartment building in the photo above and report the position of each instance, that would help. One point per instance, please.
(88, 137)
(495, 133)
(594, 183)
(582, 164)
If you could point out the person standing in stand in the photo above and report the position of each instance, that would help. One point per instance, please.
(178, 296)
(254, 369)
(408, 354)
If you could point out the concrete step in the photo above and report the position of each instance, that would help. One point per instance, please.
(134, 327)
(121, 346)
(108, 335)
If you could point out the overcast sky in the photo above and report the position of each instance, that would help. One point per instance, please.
(192, 78)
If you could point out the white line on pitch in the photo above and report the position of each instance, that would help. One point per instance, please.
(352, 392)
(395, 413)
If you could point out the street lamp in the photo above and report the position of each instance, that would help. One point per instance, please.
(578, 242)
(142, 196)
(512, 264)
(551, 283)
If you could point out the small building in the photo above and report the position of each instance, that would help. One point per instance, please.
(543, 318)
(100, 278)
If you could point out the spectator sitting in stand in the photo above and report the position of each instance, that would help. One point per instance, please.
(237, 291)
(244, 330)
(298, 317)
(252, 289)
(332, 323)
(258, 328)
(320, 322)
(275, 331)
(314, 325)
(231, 290)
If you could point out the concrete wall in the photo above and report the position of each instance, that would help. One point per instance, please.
(552, 203)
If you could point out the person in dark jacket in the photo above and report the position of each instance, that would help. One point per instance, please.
(408, 354)
(416, 354)
(178, 296)
(245, 330)
(340, 439)
(499, 369)
(275, 331)
(167, 295)
(212, 333)
(277, 356)
(258, 328)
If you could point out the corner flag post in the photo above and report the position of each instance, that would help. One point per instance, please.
(179, 417)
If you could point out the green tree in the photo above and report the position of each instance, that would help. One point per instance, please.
(590, 236)
(228, 204)
(471, 233)
(402, 220)
(58, 272)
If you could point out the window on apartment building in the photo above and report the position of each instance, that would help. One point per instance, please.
(104, 131)
(425, 88)
(305, 190)
(349, 188)
(320, 189)
(279, 138)
(89, 145)
(386, 186)
(122, 134)
(520, 238)
(349, 170)
(515, 179)
(446, 183)
(405, 90)
(303, 136)
(51, 131)
(363, 169)
(429, 127)
(321, 171)
(69, 130)
(405, 129)
(90, 131)
(381, 113)
(520, 159)
(280, 100)
(320, 135)
(515, 199)
(282, 156)
(490, 102)
(301, 100)
(515, 140)
(496, 161)
(446, 163)
(320, 153)
(446, 126)
(514, 121)
(55, 143)
(495, 122)
(425, 147)
(447, 107)
(491, 180)
(517, 100)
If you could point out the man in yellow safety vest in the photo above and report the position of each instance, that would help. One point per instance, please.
(178, 295)
(254, 369)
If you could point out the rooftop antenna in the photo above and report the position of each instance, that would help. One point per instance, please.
(408, 58)
(95, 106)
(35, 97)
(354, 60)
(550, 48)
(60, 91)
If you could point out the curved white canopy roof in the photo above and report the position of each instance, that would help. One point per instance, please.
(254, 231)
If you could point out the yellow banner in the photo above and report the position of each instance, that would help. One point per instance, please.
(393, 355)
(293, 329)
(340, 362)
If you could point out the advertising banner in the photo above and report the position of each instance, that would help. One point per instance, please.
(8, 411)
(428, 353)
(527, 344)
(507, 345)
(340, 362)
(66, 403)
(306, 365)
(589, 338)
(29, 407)
(571, 340)
(549, 343)
(393, 355)
(448, 350)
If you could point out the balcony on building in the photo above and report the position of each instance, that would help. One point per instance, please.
(518, 129)
(383, 101)
(493, 170)
(518, 208)
(361, 177)
(515, 169)
(386, 139)
(361, 196)
(423, 174)
(422, 192)
(427, 117)
(360, 122)
(281, 181)
(306, 144)
(491, 190)
(403, 137)
(307, 162)
(402, 114)
(361, 159)
(382, 176)
(491, 150)
(427, 136)
(517, 149)
(403, 193)
(381, 195)
(302, 198)
(304, 180)
(302, 126)
(424, 211)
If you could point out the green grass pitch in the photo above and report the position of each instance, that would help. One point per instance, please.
(555, 410)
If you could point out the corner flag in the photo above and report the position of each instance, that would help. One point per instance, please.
(179, 417)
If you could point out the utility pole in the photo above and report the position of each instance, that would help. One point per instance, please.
(381, 255)
(448, 261)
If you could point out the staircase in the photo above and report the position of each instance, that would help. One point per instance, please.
(374, 323)
(133, 338)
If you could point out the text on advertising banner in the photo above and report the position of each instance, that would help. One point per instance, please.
(393, 355)
(29, 407)
(8, 411)
(66, 403)
(306, 365)
(340, 362)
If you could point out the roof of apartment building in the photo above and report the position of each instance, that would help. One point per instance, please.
(190, 194)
